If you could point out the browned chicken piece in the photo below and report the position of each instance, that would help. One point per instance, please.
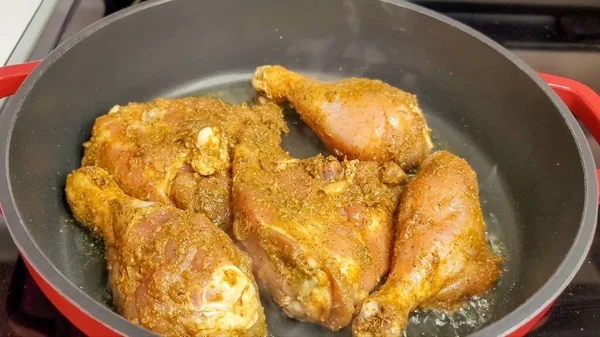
(175, 151)
(171, 271)
(318, 230)
(359, 118)
(441, 255)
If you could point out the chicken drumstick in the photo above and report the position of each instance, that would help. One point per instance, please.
(319, 230)
(359, 118)
(171, 271)
(175, 151)
(441, 254)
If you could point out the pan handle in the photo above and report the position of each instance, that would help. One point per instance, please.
(12, 76)
(583, 102)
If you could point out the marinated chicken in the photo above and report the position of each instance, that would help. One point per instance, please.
(175, 151)
(318, 230)
(171, 271)
(358, 118)
(441, 255)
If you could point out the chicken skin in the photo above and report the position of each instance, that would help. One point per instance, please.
(358, 118)
(175, 151)
(318, 230)
(441, 254)
(171, 271)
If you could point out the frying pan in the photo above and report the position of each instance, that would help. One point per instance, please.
(537, 178)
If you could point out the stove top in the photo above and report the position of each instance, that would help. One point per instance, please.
(559, 37)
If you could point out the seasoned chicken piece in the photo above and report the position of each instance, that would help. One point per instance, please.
(441, 254)
(171, 271)
(318, 230)
(175, 151)
(357, 117)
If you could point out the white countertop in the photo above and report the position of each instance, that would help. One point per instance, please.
(15, 16)
(22, 22)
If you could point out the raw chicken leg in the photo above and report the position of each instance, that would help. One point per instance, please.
(171, 271)
(175, 151)
(319, 230)
(441, 254)
(357, 117)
